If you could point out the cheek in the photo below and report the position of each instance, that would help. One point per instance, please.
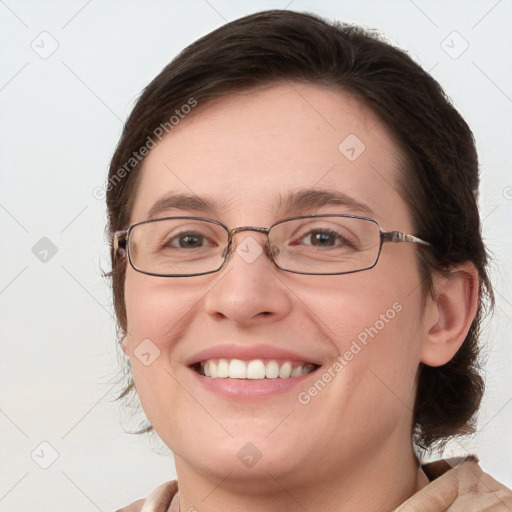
(374, 374)
(362, 306)
(368, 391)
(374, 323)
(156, 309)
(160, 313)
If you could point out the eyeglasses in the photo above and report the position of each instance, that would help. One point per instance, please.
(313, 244)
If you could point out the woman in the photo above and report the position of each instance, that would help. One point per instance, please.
(299, 275)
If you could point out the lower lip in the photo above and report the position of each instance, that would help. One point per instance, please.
(249, 389)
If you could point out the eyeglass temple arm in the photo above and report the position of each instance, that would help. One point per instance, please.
(397, 237)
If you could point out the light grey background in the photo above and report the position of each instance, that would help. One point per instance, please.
(61, 116)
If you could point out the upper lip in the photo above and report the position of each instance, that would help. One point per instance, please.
(248, 353)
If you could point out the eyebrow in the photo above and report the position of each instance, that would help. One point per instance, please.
(293, 203)
(316, 198)
(183, 202)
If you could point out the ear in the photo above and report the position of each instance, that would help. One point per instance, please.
(449, 314)
(124, 344)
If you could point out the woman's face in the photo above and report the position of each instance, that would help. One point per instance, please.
(248, 155)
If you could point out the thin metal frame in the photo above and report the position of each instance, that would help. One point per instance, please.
(121, 241)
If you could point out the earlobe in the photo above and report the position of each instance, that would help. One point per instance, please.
(448, 315)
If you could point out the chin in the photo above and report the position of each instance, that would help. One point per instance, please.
(246, 461)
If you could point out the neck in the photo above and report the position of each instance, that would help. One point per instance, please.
(376, 482)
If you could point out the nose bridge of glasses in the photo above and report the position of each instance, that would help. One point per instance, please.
(256, 229)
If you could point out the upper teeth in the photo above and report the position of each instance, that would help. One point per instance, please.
(255, 369)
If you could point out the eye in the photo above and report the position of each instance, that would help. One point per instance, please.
(322, 238)
(188, 240)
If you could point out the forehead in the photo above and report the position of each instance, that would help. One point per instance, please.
(248, 153)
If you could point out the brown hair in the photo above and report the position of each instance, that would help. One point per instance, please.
(439, 179)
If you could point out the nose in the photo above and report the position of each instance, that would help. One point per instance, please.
(249, 289)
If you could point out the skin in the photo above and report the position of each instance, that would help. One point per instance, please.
(350, 447)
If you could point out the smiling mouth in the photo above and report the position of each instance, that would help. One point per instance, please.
(255, 369)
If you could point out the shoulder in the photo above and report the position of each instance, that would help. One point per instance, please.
(158, 500)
